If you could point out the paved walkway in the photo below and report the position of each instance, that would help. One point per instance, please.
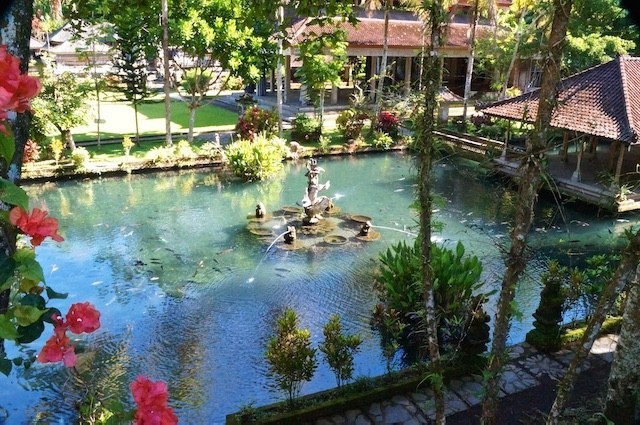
(525, 370)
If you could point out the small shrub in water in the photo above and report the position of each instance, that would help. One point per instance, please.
(323, 144)
(160, 154)
(184, 151)
(211, 150)
(291, 358)
(339, 349)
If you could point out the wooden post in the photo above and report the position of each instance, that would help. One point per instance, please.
(287, 78)
(593, 146)
(407, 75)
(564, 155)
(576, 177)
(373, 81)
(503, 156)
(619, 164)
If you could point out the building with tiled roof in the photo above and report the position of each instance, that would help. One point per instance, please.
(599, 110)
(603, 101)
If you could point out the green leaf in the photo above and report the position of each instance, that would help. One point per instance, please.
(13, 194)
(48, 315)
(28, 265)
(5, 366)
(7, 328)
(30, 333)
(34, 300)
(26, 314)
(7, 146)
(7, 269)
(55, 295)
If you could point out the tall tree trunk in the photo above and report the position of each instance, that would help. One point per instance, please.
(622, 406)
(192, 122)
(470, 60)
(627, 266)
(67, 139)
(135, 111)
(56, 9)
(383, 61)
(279, 89)
(15, 31)
(433, 71)
(529, 185)
(166, 80)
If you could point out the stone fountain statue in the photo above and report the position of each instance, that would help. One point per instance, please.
(313, 204)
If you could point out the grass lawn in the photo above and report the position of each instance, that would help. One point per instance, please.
(119, 119)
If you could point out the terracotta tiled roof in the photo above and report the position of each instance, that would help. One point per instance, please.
(369, 32)
(602, 101)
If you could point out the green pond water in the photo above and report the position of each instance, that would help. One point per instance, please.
(188, 295)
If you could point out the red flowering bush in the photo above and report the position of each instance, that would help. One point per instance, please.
(36, 224)
(81, 318)
(24, 309)
(256, 121)
(388, 123)
(151, 398)
(31, 151)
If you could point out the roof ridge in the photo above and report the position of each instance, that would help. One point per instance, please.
(625, 95)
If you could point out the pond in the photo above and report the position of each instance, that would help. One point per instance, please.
(189, 296)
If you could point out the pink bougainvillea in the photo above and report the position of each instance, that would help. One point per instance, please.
(37, 224)
(83, 317)
(151, 398)
(16, 89)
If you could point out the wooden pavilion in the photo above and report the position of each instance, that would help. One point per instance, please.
(598, 115)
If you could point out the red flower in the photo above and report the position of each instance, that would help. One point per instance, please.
(83, 317)
(58, 348)
(16, 89)
(151, 398)
(37, 224)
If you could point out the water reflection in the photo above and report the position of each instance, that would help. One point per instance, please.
(167, 259)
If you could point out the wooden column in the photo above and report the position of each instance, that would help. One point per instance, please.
(564, 154)
(287, 78)
(576, 177)
(407, 75)
(619, 164)
(503, 155)
(372, 79)
(303, 94)
(593, 146)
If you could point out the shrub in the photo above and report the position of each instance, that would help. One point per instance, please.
(257, 160)
(184, 151)
(127, 144)
(305, 128)
(160, 154)
(382, 140)
(57, 147)
(211, 150)
(388, 123)
(79, 158)
(256, 121)
(290, 356)
(455, 278)
(31, 151)
(350, 123)
(339, 349)
(323, 144)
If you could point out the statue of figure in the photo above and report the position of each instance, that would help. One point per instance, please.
(313, 204)
(290, 236)
(260, 210)
(366, 228)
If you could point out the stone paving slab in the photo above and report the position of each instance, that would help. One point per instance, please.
(515, 379)
(526, 365)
